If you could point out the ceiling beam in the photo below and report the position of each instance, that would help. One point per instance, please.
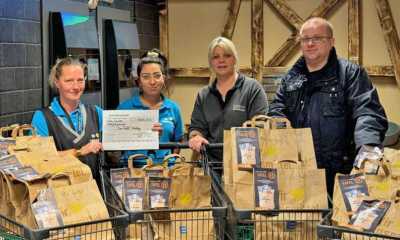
(257, 38)
(390, 35)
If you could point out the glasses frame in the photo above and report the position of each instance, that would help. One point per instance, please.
(314, 40)
(149, 76)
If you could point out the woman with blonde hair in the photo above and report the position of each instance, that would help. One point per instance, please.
(230, 100)
(74, 126)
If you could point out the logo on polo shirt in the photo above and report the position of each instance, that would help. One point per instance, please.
(237, 107)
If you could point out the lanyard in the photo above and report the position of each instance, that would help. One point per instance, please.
(70, 120)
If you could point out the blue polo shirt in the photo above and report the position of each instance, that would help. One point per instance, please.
(171, 122)
(40, 124)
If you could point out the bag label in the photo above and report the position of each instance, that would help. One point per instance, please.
(117, 176)
(354, 189)
(266, 188)
(134, 193)
(9, 162)
(369, 214)
(159, 190)
(247, 147)
(45, 210)
(24, 173)
(4, 143)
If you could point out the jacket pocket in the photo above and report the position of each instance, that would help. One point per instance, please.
(333, 102)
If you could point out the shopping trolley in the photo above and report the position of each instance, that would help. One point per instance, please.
(327, 231)
(250, 224)
(208, 223)
(111, 228)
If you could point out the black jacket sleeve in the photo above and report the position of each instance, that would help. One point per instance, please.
(367, 112)
(278, 106)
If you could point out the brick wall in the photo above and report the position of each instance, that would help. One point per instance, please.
(20, 60)
(20, 52)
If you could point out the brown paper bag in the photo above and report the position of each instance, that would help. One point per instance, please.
(140, 231)
(380, 186)
(290, 226)
(291, 192)
(190, 192)
(54, 164)
(390, 224)
(80, 203)
(185, 225)
(150, 169)
(306, 188)
(241, 195)
(315, 189)
(6, 208)
(24, 193)
(227, 158)
(181, 167)
(281, 142)
(32, 143)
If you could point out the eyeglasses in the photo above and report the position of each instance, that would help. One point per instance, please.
(148, 76)
(314, 40)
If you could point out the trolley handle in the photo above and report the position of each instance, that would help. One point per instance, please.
(172, 145)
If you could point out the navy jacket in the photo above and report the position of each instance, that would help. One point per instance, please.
(339, 104)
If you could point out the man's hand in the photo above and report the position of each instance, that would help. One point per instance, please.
(196, 142)
(371, 155)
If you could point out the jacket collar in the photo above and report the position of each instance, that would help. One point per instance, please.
(238, 84)
(299, 72)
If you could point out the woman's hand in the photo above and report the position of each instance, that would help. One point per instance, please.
(94, 146)
(196, 142)
(157, 127)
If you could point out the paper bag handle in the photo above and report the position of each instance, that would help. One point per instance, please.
(174, 168)
(383, 165)
(131, 158)
(56, 176)
(8, 129)
(248, 123)
(150, 163)
(179, 158)
(261, 118)
(275, 123)
(19, 131)
(258, 124)
(288, 161)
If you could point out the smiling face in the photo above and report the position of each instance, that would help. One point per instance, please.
(71, 83)
(151, 79)
(316, 42)
(222, 62)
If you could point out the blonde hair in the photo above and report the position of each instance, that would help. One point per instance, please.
(56, 70)
(228, 47)
(319, 20)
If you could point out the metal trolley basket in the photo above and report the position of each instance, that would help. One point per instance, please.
(327, 231)
(112, 228)
(203, 223)
(251, 224)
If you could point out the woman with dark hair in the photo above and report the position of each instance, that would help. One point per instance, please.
(152, 72)
(74, 126)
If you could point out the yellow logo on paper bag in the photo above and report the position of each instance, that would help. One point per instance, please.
(297, 194)
(271, 151)
(75, 207)
(383, 186)
(185, 199)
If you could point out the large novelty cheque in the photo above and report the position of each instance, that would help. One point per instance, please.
(129, 129)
